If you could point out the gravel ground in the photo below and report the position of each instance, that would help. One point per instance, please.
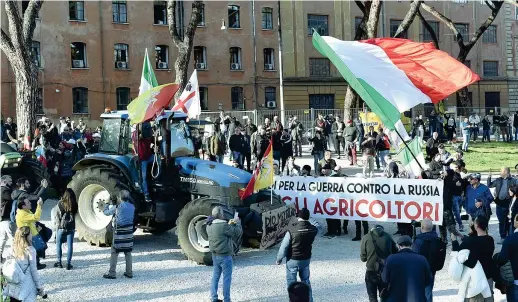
(161, 273)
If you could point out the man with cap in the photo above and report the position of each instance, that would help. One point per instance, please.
(477, 196)
(296, 248)
(406, 274)
(375, 247)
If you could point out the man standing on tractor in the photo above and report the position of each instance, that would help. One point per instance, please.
(145, 154)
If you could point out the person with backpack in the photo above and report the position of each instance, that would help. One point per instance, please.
(429, 245)
(406, 274)
(66, 225)
(375, 247)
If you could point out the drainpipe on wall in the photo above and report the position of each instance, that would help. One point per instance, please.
(255, 53)
(281, 86)
(101, 28)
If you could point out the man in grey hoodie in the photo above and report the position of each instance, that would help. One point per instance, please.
(376, 246)
(222, 234)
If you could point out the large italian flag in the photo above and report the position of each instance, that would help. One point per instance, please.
(394, 75)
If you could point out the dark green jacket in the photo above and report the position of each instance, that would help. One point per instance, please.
(385, 244)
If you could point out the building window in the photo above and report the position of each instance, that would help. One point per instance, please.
(123, 98)
(200, 57)
(80, 99)
(270, 97)
(467, 63)
(120, 12)
(357, 21)
(39, 101)
(201, 19)
(490, 68)
(267, 22)
(489, 35)
(78, 52)
(319, 67)
(233, 16)
(427, 36)
(463, 29)
(394, 25)
(76, 10)
(319, 23)
(162, 56)
(36, 53)
(160, 12)
(235, 58)
(492, 102)
(322, 101)
(204, 101)
(236, 96)
(269, 59)
(121, 54)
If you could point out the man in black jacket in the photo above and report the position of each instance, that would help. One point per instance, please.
(296, 248)
(509, 253)
(337, 130)
(235, 144)
(261, 144)
(502, 199)
(432, 146)
(6, 226)
(454, 186)
(376, 245)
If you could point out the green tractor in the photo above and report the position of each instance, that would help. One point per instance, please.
(19, 165)
(182, 196)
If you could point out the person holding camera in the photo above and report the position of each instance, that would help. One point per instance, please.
(123, 212)
(478, 197)
(24, 256)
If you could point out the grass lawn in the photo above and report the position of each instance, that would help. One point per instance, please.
(483, 157)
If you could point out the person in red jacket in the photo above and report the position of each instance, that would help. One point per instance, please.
(145, 155)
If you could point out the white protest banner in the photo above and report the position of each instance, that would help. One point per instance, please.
(374, 199)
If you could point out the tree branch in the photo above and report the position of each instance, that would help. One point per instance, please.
(485, 25)
(372, 24)
(361, 29)
(15, 26)
(171, 20)
(429, 29)
(409, 18)
(29, 19)
(489, 5)
(360, 6)
(447, 21)
(193, 22)
(6, 45)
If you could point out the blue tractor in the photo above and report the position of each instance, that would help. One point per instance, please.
(182, 196)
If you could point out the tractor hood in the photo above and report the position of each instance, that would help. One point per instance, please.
(213, 173)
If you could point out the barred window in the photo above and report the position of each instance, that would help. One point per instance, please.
(236, 96)
(200, 57)
(201, 19)
(160, 12)
(80, 100)
(123, 97)
(120, 53)
(204, 95)
(36, 53)
(490, 68)
(489, 35)
(427, 37)
(270, 95)
(267, 20)
(76, 10)
(234, 20)
(394, 25)
(269, 59)
(162, 57)
(463, 29)
(319, 67)
(319, 23)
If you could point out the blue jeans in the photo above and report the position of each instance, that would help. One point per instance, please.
(503, 220)
(428, 291)
(317, 156)
(512, 293)
(486, 135)
(381, 156)
(222, 264)
(143, 168)
(219, 158)
(516, 133)
(238, 157)
(300, 267)
(70, 244)
(277, 155)
(457, 201)
(465, 141)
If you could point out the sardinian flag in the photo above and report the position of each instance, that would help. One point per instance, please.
(189, 101)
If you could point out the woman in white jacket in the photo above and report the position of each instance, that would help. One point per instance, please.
(25, 255)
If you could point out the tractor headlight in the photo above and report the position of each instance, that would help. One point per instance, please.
(15, 165)
(19, 159)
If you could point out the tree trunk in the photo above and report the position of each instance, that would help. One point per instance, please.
(181, 66)
(26, 94)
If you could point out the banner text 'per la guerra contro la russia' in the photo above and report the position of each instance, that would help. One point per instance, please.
(374, 199)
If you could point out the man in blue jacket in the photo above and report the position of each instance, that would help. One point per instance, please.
(477, 191)
(406, 274)
(509, 252)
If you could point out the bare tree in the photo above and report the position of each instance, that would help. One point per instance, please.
(465, 48)
(17, 47)
(367, 29)
(183, 42)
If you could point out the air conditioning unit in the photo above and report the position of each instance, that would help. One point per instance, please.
(271, 104)
(162, 65)
(78, 64)
(122, 65)
(235, 66)
(201, 66)
(268, 66)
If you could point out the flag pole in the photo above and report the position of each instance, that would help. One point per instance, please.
(406, 145)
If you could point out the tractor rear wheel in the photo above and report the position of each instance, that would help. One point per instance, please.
(191, 229)
(34, 171)
(93, 188)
